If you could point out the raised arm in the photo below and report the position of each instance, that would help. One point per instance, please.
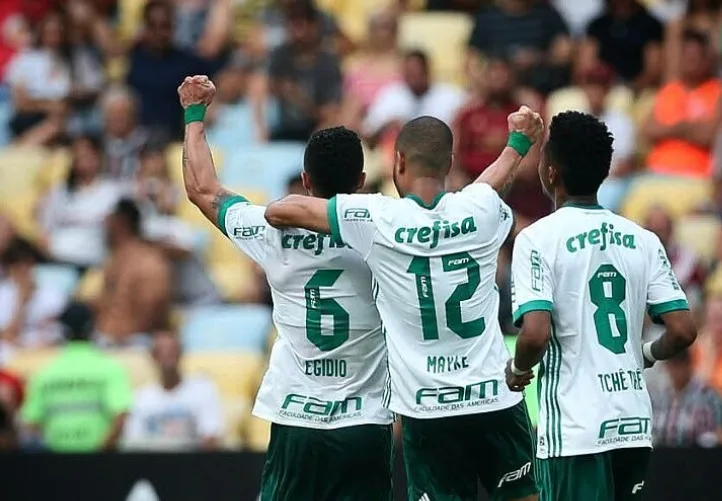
(202, 186)
(298, 211)
(525, 129)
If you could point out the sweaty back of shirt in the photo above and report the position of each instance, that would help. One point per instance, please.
(434, 269)
(328, 365)
(596, 273)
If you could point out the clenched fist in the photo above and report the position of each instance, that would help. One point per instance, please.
(197, 89)
(527, 122)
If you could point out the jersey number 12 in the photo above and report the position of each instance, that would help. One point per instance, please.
(421, 268)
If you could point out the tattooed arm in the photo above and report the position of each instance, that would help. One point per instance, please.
(199, 173)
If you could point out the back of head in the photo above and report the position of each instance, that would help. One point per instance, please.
(77, 321)
(426, 144)
(127, 212)
(334, 162)
(580, 147)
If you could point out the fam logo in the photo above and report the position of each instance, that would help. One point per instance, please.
(356, 214)
(249, 232)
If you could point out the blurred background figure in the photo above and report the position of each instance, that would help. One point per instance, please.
(79, 401)
(72, 214)
(123, 137)
(178, 413)
(29, 308)
(136, 296)
(689, 413)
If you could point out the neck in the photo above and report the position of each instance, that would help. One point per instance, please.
(562, 199)
(426, 188)
(171, 379)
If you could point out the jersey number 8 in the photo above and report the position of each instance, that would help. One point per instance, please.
(607, 291)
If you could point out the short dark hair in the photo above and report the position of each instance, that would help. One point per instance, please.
(302, 9)
(697, 37)
(77, 321)
(128, 211)
(426, 142)
(334, 161)
(18, 250)
(420, 55)
(152, 5)
(581, 147)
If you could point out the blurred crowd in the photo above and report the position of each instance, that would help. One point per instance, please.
(102, 259)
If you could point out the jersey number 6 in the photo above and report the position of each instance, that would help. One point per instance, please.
(317, 307)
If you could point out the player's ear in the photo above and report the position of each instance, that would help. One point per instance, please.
(361, 181)
(306, 182)
(400, 162)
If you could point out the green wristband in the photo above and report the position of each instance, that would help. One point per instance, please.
(195, 113)
(520, 143)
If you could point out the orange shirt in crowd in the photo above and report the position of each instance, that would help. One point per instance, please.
(675, 104)
(707, 361)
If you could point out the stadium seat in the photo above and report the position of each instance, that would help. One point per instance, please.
(64, 278)
(443, 36)
(678, 196)
(233, 279)
(91, 286)
(139, 366)
(236, 413)
(257, 434)
(264, 168)
(573, 98)
(699, 232)
(130, 14)
(227, 328)
(235, 373)
(353, 15)
(174, 157)
(25, 363)
(19, 167)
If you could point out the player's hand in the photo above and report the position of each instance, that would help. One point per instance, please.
(527, 122)
(197, 89)
(517, 383)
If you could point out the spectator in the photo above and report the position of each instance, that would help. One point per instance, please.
(79, 401)
(180, 413)
(416, 96)
(159, 197)
(689, 413)
(529, 33)
(273, 33)
(304, 77)
(40, 79)
(629, 39)
(7, 235)
(481, 129)
(704, 16)
(231, 121)
(578, 13)
(686, 116)
(72, 215)
(203, 27)
(123, 138)
(156, 68)
(597, 84)
(14, 33)
(707, 351)
(376, 67)
(686, 265)
(136, 295)
(11, 398)
(468, 6)
(28, 308)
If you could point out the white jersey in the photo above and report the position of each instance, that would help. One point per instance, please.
(596, 273)
(435, 270)
(328, 366)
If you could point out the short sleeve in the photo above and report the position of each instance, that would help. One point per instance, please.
(483, 196)
(664, 294)
(210, 423)
(32, 410)
(245, 225)
(119, 395)
(351, 220)
(532, 286)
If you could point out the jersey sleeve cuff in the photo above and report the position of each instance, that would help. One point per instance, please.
(537, 305)
(333, 219)
(657, 310)
(223, 210)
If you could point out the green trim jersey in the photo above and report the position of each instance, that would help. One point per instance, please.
(597, 273)
(434, 269)
(328, 366)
